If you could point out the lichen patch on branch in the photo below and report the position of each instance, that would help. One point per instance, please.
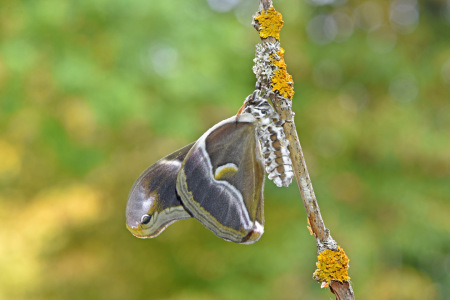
(281, 79)
(271, 70)
(270, 67)
(332, 265)
(270, 22)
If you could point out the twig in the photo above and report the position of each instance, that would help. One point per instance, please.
(281, 97)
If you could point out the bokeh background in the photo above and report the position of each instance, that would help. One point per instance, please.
(94, 91)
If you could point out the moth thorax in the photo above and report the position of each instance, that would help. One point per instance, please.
(262, 111)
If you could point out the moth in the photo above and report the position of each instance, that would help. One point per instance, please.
(218, 180)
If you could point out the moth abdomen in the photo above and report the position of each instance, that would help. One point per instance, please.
(274, 145)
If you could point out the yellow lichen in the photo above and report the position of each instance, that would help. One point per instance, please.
(332, 265)
(281, 79)
(270, 23)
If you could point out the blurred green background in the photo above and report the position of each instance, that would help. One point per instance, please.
(94, 91)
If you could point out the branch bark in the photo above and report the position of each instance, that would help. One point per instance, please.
(324, 241)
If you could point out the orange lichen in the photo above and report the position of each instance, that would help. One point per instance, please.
(332, 265)
(281, 79)
(270, 22)
(309, 226)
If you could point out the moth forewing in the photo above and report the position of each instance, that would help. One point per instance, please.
(221, 180)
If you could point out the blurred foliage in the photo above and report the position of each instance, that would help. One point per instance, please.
(92, 92)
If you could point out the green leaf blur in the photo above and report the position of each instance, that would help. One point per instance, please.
(93, 92)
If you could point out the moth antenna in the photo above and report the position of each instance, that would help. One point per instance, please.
(241, 110)
(247, 102)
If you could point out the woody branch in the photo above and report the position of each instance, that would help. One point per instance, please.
(279, 88)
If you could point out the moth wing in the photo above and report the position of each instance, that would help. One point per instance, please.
(153, 203)
(221, 180)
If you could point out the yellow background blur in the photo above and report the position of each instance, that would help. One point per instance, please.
(94, 91)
